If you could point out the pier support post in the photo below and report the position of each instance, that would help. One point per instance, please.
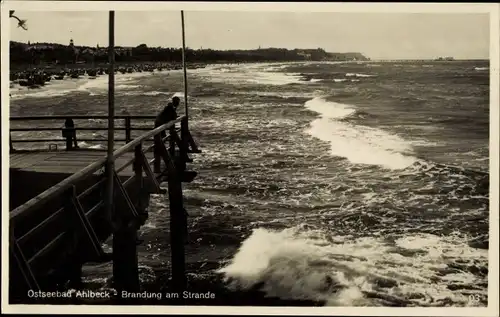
(177, 232)
(177, 222)
(157, 153)
(125, 263)
(128, 137)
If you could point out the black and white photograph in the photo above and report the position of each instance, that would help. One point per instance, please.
(196, 157)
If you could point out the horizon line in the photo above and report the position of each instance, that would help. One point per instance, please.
(263, 48)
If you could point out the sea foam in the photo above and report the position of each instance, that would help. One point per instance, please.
(359, 144)
(298, 263)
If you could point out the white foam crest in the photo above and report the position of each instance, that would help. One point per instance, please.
(86, 145)
(125, 86)
(339, 80)
(278, 79)
(329, 109)
(297, 264)
(481, 68)
(315, 80)
(51, 89)
(254, 74)
(276, 68)
(155, 93)
(282, 94)
(98, 83)
(358, 75)
(359, 144)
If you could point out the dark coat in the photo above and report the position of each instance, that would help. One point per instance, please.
(167, 114)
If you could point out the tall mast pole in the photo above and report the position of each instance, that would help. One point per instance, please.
(111, 114)
(184, 66)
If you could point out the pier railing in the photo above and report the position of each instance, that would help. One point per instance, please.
(127, 126)
(56, 232)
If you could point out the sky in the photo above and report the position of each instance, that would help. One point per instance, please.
(376, 35)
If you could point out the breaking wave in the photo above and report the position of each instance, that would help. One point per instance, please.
(359, 144)
(303, 265)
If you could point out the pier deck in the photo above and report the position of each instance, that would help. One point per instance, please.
(66, 162)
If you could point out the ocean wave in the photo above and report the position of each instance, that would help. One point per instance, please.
(359, 75)
(251, 74)
(301, 263)
(481, 68)
(85, 145)
(359, 144)
(155, 93)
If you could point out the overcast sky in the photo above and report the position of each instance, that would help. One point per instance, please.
(376, 35)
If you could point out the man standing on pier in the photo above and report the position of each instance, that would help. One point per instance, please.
(70, 134)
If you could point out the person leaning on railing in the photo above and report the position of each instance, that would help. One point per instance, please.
(168, 113)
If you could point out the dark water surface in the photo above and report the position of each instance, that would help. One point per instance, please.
(343, 183)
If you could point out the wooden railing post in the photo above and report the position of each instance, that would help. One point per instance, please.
(11, 146)
(171, 141)
(140, 191)
(157, 153)
(138, 163)
(185, 133)
(128, 138)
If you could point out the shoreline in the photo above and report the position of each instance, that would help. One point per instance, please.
(86, 66)
(36, 76)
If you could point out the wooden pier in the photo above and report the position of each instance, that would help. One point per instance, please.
(59, 215)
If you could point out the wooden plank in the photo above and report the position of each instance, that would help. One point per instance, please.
(67, 162)
(15, 156)
(18, 157)
(30, 160)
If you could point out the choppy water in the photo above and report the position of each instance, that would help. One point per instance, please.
(346, 183)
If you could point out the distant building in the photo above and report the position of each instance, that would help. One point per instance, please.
(123, 51)
(304, 54)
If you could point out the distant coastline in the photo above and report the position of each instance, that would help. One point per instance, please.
(57, 54)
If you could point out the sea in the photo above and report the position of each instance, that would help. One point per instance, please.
(338, 183)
